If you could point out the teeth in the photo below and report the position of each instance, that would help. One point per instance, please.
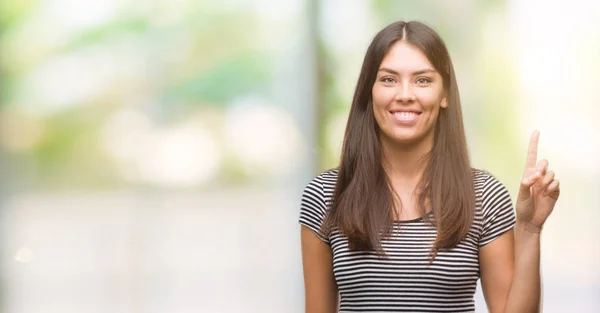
(405, 114)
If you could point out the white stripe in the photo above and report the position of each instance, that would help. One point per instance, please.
(405, 281)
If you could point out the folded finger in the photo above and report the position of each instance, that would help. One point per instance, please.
(546, 179)
(542, 166)
(553, 189)
(530, 178)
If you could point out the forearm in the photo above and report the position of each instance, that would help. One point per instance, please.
(524, 294)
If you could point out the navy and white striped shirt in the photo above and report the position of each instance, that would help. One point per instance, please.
(405, 282)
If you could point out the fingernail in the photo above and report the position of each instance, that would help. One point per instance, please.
(538, 174)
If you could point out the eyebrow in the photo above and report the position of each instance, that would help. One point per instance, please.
(419, 72)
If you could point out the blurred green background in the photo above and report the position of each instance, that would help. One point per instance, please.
(153, 153)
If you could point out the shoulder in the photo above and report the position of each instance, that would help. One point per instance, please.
(495, 212)
(485, 181)
(322, 185)
(316, 200)
(492, 195)
(480, 177)
(326, 179)
(489, 191)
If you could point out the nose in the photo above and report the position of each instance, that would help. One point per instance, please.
(405, 93)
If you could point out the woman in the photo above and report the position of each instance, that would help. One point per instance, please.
(404, 223)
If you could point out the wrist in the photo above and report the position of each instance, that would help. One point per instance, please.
(527, 228)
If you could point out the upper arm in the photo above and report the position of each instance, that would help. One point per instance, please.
(496, 244)
(321, 294)
(496, 265)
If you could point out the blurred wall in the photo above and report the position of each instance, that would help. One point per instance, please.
(153, 153)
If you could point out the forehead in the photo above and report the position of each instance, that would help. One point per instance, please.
(403, 56)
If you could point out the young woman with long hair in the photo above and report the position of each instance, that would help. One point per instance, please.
(404, 223)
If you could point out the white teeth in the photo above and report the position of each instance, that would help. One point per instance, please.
(406, 117)
(405, 114)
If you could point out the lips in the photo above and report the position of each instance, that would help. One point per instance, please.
(405, 111)
(406, 116)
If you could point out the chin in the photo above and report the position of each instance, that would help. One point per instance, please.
(406, 138)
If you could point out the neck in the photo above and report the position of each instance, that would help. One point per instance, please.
(405, 164)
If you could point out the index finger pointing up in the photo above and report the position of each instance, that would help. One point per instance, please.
(532, 151)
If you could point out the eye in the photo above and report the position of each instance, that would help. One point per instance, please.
(388, 80)
(423, 80)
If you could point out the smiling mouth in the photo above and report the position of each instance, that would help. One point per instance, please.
(406, 117)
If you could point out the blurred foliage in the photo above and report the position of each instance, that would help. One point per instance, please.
(14, 12)
(226, 81)
(138, 26)
(69, 153)
(209, 57)
(205, 57)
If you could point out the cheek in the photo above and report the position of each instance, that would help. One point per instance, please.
(382, 96)
(380, 99)
(429, 100)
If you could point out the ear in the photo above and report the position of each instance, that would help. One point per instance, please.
(444, 103)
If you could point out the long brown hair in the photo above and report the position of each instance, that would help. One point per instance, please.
(362, 204)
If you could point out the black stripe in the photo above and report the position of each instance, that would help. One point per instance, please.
(405, 281)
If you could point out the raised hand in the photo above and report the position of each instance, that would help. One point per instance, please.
(539, 189)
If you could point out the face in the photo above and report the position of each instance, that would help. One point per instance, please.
(407, 96)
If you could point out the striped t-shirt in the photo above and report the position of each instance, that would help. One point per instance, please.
(405, 281)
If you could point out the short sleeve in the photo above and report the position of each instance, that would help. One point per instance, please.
(313, 207)
(498, 213)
